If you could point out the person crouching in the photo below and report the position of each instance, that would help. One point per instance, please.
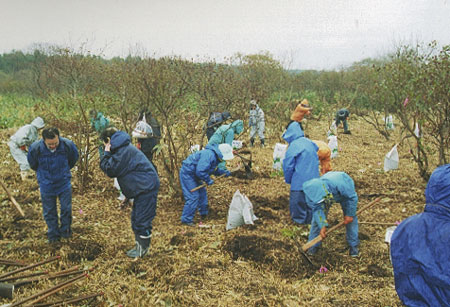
(197, 168)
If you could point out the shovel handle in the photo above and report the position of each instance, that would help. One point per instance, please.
(204, 185)
(318, 239)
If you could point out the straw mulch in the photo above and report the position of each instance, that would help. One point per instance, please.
(253, 265)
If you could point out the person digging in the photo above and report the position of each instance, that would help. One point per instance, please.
(320, 194)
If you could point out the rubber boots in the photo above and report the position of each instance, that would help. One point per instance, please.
(141, 247)
(262, 143)
(252, 141)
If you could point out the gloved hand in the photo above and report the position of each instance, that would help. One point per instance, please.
(227, 173)
(210, 182)
(323, 232)
(348, 220)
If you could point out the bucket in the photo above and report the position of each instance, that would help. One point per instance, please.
(6, 290)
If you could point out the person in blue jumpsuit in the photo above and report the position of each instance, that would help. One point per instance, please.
(301, 163)
(420, 247)
(197, 169)
(52, 158)
(138, 180)
(320, 194)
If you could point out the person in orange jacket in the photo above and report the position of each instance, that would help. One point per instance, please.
(301, 110)
(324, 154)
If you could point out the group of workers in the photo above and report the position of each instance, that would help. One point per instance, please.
(419, 247)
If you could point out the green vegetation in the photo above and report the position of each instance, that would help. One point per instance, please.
(68, 83)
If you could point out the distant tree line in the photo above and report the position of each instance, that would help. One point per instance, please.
(181, 93)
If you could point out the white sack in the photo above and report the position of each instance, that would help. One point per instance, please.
(236, 144)
(240, 211)
(333, 144)
(279, 152)
(391, 159)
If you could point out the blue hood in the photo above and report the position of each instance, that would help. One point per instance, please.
(119, 139)
(238, 126)
(215, 148)
(438, 187)
(314, 190)
(293, 132)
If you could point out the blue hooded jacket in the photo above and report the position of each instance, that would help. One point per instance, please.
(225, 133)
(301, 162)
(133, 170)
(420, 248)
(100, 122)
(339, 185)
(203, 163)
(53, 168)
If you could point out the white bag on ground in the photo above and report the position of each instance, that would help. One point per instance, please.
(388, 235)
(333, 144)
(389, 121)
(240, 211)
(278, 155)
(417, 131)
(391, 159)
(236, 144)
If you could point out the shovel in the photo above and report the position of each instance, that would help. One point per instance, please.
(248, 167)
(318, 239)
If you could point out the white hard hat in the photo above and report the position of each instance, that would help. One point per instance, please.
(226, 151)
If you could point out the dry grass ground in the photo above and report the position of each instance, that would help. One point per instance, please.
(253, 265)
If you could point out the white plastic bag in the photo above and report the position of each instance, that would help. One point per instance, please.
(142, 130)
(333, 127)
(333, 144)
(279, 152)
(236, 144)
(417, 131)
(389, 121)
(240, 211)
(194, 148)
(388, 235)
(391, 159)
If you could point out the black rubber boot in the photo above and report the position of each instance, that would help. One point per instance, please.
(262, 143)
(141, 247)
(252, 142)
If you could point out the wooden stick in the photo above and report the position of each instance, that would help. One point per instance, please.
(204, 185)
(13, 200)
(317, 239)
(31, 280)
(376, 223)
(29, 267)
(70, 301)
(12, 262)
(24, 276)
(49, 291)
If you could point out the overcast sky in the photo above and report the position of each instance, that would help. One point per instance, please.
(302, 34)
